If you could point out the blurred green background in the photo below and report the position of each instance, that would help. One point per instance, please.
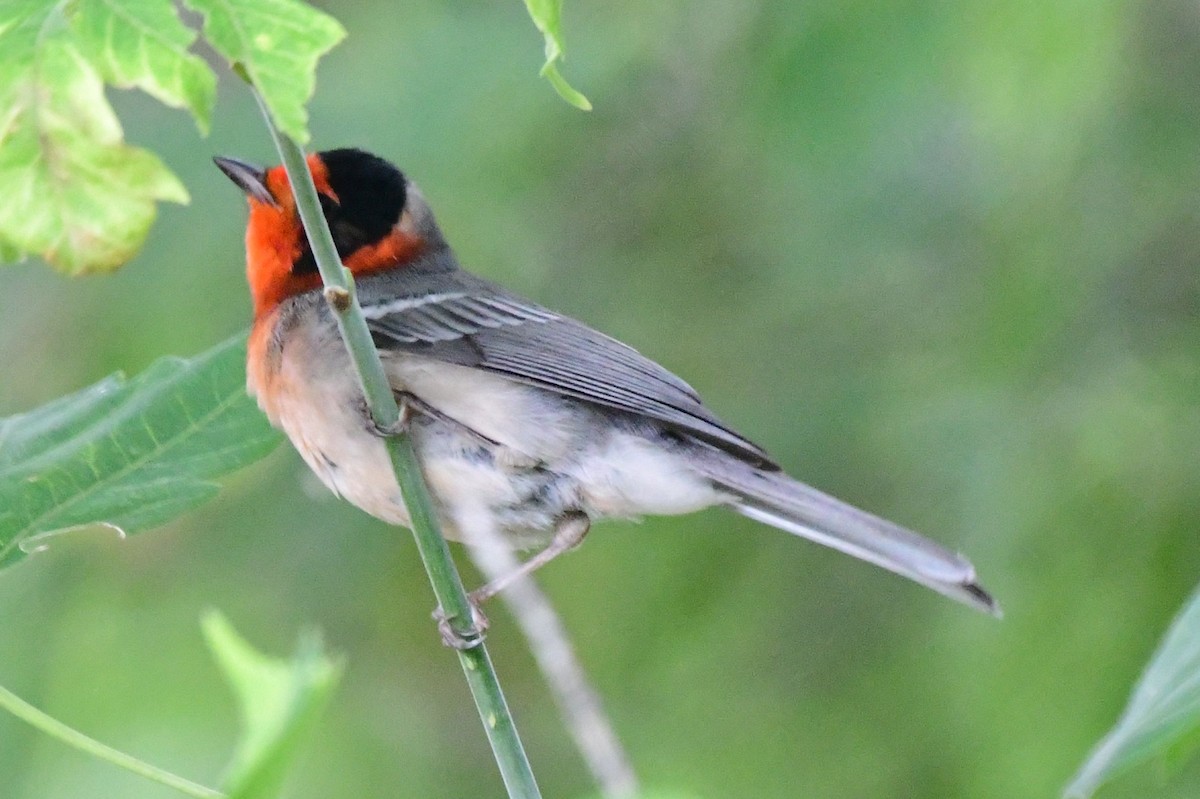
(938, 257)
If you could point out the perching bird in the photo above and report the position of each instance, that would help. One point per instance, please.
(527, 423)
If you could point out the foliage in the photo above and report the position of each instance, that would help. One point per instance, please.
(275, 45)
(143, 44)
(279, 701)
(79, 197)
(75, 194)
(1163, 711)
(129, 454)
(547, 16)
(54, 728)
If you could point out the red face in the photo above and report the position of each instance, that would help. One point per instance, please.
(363, 201)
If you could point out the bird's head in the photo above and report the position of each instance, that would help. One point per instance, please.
(377, 217)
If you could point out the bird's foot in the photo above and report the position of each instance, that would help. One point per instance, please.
(469, 638)
(507, 458)
(398, 427)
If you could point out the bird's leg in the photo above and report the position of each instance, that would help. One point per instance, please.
(569, 533)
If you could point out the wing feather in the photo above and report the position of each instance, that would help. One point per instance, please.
(523, 341)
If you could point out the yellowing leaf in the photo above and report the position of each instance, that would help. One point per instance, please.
(142, 43)
(275, 44)
(74, 193)
(547, 16)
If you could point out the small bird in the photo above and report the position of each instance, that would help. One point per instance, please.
(528, 424)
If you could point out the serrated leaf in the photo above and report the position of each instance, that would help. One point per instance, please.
(279, 701)
(1162, 713)
(143, 44)
(74, 193)
(275, 44)
(127, 454)
(547, 16)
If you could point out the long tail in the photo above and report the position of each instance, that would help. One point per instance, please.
(782, 502)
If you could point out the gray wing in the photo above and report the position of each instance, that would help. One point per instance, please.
(465, 320)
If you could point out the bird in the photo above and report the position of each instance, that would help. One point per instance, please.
(528, 425)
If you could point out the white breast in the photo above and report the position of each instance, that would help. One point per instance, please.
(313, 396)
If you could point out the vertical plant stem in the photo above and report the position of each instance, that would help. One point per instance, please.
(447, 585)
(74, 738)
(578, 703)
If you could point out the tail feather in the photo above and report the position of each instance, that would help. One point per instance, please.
(780, 501)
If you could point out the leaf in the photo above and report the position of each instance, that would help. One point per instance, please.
(143, 44)
(279, 701)
(275, 44)
(74, 193)
(127, 454)
(1162, 713)
(547, 16)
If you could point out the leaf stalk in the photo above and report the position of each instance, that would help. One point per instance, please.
(74, 738)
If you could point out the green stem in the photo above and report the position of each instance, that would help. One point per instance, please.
(447, 585)
(72, 737)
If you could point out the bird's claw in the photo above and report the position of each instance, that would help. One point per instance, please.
(398, 427)
(387, 430)
(462, 639)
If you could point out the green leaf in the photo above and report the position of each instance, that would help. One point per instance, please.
(74, 193)
(1162, 714)
(279, 701)
(143, 44)
(275, 45)
(547, 16)
(130, 454)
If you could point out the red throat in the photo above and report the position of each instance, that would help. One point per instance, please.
(275, 241)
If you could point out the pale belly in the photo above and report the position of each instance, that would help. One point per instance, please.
(551, 456)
